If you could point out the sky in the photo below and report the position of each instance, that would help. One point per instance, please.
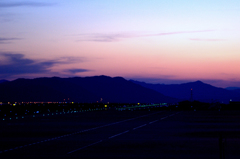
(155, 41)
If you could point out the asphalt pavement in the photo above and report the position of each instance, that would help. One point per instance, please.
(124, 134)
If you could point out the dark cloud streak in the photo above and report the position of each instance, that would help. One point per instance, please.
(8, 40)
(20, 65)
(24, 4)
(17, 64)
(77, 70)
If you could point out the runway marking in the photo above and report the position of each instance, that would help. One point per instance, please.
(85, 147)
(139, 126)
(153, 121)
(94, 129)
(118, 134)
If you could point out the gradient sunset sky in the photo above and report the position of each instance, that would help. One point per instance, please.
(155, 41)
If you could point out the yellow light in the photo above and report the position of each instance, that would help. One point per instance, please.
(138, 103)
(105, 106)
(14, 104)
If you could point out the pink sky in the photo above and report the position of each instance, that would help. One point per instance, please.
(155, 41)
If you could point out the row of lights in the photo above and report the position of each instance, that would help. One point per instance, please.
(15, 103)
(75, 111)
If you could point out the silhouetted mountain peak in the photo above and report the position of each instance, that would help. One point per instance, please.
(193, 83)
(100, 76)
(199, 82)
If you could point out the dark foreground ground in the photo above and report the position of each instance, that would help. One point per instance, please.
(123, 134)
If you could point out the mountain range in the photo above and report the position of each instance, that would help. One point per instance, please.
(200, 91)
(108, 89)
(78, 89)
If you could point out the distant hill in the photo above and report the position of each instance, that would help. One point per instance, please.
(201, 91)
(234, 89)
(1, 81)
(87, 89)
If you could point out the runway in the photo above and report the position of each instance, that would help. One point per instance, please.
(123, 134)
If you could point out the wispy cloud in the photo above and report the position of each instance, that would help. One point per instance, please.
(105, 37)
(180, 32)
(6, 17)
(120, 36)
(8, 40)
(24, 4)
(196, 39)
(17, 64)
